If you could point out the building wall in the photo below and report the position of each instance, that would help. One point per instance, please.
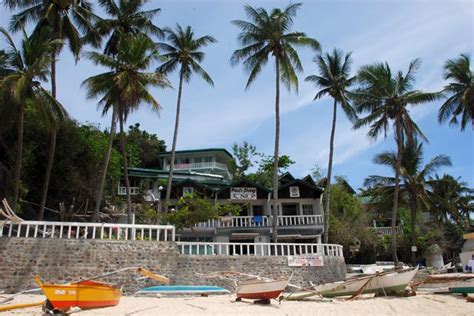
(63, 260)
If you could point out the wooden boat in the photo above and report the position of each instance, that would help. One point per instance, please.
(258, 289)
(386, 282)
(83, 294)
(449, 282)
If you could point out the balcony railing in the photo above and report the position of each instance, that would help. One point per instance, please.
(74, 230)
(257, 249)
(387, 230)
(199, 165)
(261, 221)
(133, 190)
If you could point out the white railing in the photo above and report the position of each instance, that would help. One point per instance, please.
(257, 249)
(260, 221)
(133, 190)
(387, 230)
(75, 230)
(199, 165)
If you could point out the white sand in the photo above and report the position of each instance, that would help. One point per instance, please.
(423, 304)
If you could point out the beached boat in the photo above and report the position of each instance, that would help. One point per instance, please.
(83, 294)
(449, 282)
(183, 289)
(387, 282)
(261, 289)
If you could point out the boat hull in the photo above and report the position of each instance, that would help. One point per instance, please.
(261, 289)
(386, 283)
(85, 295)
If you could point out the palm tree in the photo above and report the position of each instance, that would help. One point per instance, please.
(461, 91)
(415, 181)
(334, 79)
(64, 19)
(386, 98)
(266, 35)
(182, 50)
(451, 199)
(22, 71)
(125, 86)
(125, 19)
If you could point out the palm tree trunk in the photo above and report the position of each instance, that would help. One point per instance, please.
(414, 208)
(103, 174)
(125, 169)
(276, 153)
(175, 140)
(398, 163)
(52, 143)
(328, 181)
(19, 154)
(49, 168)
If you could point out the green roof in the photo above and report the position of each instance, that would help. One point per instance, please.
(192, 151)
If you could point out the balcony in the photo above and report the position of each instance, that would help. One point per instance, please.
(260, 221)
(199, 165)
(387, 230)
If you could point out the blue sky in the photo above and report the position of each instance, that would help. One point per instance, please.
(385, 30)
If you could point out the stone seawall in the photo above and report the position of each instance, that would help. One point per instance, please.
(62, 260)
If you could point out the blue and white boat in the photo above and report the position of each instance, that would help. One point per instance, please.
(183, 289)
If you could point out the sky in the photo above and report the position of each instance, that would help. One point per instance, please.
(374, 31)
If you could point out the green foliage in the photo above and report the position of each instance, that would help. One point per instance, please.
(460, 92)
(349, 227)
(147, 147)
(192, 210)
(264, 174)
(244, 158)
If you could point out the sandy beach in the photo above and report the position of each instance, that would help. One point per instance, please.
(423, 304)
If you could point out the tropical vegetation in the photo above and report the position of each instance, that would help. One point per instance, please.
(79, 166)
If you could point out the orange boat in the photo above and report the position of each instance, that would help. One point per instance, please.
(83, 294)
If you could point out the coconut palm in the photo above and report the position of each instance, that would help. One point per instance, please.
(23, 69)
(183, 51)
(461, 92)
(64, 19)
(451, 199)
(267, 35)
(334, 79)
(415, 179)
(386, 98)
(125, 19)
(125, 86)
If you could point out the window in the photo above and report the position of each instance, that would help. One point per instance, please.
(198, 159)
(308, 209)
(207, 159)
(188, 191)
(294, 192)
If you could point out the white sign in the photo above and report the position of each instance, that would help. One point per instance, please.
(294, 192)
(414, 249)
(310, 260)
(243, 193)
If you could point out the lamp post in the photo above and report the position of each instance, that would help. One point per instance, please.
(158, 202)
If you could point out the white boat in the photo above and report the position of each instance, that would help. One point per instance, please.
(454, 282)
(258, 289)
(387, 282)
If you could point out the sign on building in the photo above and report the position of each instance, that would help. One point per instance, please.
(309, 260)
(294, 192)
(243, 193)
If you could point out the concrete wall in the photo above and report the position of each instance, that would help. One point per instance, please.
(61, 260)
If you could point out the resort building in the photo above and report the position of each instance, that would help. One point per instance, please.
(205, 172)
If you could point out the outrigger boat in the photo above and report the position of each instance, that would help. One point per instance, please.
(261, 289)
(449, 282)
(380, 283)
(88, 294)
(82, 294)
